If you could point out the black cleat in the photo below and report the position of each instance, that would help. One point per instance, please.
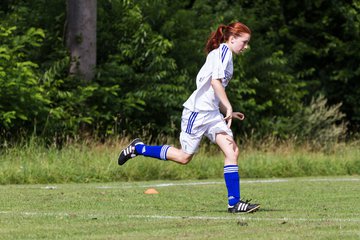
(242, 206)
(129, 151)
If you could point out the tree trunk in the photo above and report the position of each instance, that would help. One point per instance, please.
(81, 37)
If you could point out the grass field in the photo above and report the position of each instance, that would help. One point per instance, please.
(94, 162)
(292, 208)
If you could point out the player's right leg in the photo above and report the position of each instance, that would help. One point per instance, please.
(163, 152)
(129, 152)
(190, 137)
(178, 156)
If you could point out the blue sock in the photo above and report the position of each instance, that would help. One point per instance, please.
(232, 181)
(158, 152)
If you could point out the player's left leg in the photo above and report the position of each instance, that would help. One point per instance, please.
(231, 175)
(231, 170)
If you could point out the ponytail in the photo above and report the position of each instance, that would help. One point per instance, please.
(223, 33)
(215, 39)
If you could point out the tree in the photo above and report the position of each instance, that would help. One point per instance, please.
(322, 42)
(81, 37)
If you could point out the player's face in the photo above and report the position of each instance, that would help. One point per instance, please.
(239, 44)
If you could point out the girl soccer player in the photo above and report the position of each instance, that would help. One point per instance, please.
(202, 114)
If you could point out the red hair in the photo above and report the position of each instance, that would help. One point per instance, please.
(223, 33)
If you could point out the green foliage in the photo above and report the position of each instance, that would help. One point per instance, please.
(22, 98)
(150, 88)
(320, 124)
(149, 53)
(323, 50)
(42, 104)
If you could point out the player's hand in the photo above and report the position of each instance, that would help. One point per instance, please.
(238, 115)
(231, 115)
(228, 117)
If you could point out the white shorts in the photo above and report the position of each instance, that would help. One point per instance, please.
(194, 125)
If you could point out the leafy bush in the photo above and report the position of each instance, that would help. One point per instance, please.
(321, 125)
(22, 98)
(150, 88)
(149, 53)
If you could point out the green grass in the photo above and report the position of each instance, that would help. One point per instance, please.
(93, 162)
(291, 208)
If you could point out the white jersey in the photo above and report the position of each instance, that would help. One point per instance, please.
(218, 65)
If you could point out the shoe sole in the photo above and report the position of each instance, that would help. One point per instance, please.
(249, 211)
(254, 209)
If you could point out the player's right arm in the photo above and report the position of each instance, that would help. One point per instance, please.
(225, 106)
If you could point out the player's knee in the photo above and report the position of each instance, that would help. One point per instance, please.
(185, 158)
(236, 153)
(233, 155)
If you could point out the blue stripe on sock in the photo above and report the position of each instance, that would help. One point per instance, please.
(229, 169)
(164, 151)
